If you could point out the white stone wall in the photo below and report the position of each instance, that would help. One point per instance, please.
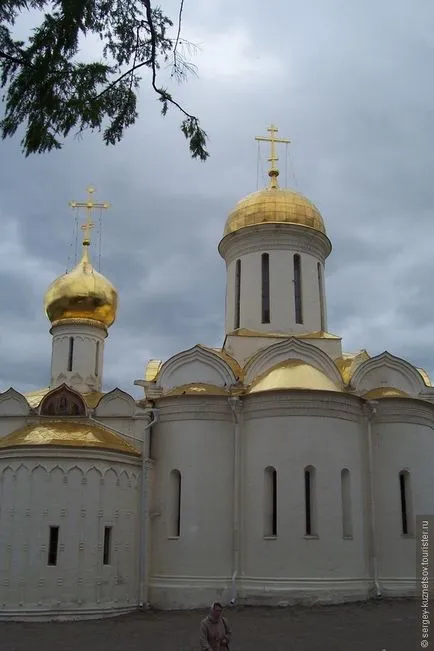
(290, 432)
(401, 441)
(194, 436)
(88, 344)
(81, 495)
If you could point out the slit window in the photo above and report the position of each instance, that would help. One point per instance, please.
(404, 489)
(321, 296)
(175, 504)
(265, 262)
(297, 289)
(310, 505)
(270, 502)
(53, 546)
(347, 528)
(70, 353)
(107, 547)
(96, 358)
(237, 293)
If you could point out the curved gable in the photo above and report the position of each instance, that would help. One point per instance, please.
(116, 403)
(13, 403)
(291, 349)
(196, 365)
(62, 401)
(386, 370)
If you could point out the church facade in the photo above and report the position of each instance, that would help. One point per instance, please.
(276, 469)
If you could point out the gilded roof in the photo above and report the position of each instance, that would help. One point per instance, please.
(349, 362)
(68, 433)
(385, 392)
(197, 389)
(293, 374)
(274, 205)
(34, 398)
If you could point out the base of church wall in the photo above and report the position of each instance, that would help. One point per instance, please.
(183, 593)
(67, 614)
(399, 587)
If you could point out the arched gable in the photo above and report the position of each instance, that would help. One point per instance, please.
(13, 403)
(386, 370)
(62, 401)
(196, 365)
(115, 403)
(291, 349)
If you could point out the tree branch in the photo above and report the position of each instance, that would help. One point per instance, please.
(8, 57)
(125, 74)
(175, 54)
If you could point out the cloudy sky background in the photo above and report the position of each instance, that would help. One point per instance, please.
(349, 83)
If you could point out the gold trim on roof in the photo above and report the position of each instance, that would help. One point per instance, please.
(68, 433)
(293, 374)
(197, 389)
(246, 332)
(425, 377)
(34, 398)
(385, 392)
(152, 369)
(349, 362)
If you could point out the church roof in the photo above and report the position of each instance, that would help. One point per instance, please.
(293, 374)
(68, 433)
(34, 398)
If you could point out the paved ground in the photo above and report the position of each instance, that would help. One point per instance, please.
(374, 626)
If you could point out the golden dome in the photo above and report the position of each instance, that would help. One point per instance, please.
(68, 434)
(83, 293)
(274, 206)
(293, 374)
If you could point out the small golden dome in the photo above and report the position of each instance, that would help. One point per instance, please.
(385, 392)
(274, 205)
(83, 293)
(293, 374)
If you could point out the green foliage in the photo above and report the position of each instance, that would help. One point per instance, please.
(51, 91)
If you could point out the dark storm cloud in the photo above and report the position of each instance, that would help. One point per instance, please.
(348, 83)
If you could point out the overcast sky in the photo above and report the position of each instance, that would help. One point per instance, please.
(349, 83)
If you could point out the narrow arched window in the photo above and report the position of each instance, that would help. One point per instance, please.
(297, 289)
(97, 358)
(347, 525)
(270, 502)
(310, 501)
(405, 495)
(237, 293)
(71, 353)
(175, 504)
(265, 261)
(321, 296)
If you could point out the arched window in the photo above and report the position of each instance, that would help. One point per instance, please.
(297, 289)
(265, 260)
(237, 293)
(62, 401)
(406, 510)
(321, 296)
(347, 525)
(310, 501)
(270, 502)
(175, 504)
(70, 353)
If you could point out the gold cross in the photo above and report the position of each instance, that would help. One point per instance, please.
(273, 172)
(89, 205)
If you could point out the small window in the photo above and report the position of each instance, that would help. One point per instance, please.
(107, 550)
(237, 294)
(347, 527)
(175, 504)
(265, 258)
(53, 545)
(310, 505)
(71, 353)
(404, 489)
(96, 358)
(270, 502)
(297, 289)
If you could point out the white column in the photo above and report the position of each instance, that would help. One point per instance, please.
(77, 355)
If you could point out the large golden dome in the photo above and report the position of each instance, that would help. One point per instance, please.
(83, 293)
(274, 205)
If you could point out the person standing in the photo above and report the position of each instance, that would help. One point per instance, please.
(215, 632)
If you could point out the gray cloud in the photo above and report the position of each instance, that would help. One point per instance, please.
(348, 83)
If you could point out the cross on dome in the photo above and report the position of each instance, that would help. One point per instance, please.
(89, 206)
(273, 172)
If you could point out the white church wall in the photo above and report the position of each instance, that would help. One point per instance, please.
(81, 495)
(403, 440)
(289, 433)
(195, 437)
